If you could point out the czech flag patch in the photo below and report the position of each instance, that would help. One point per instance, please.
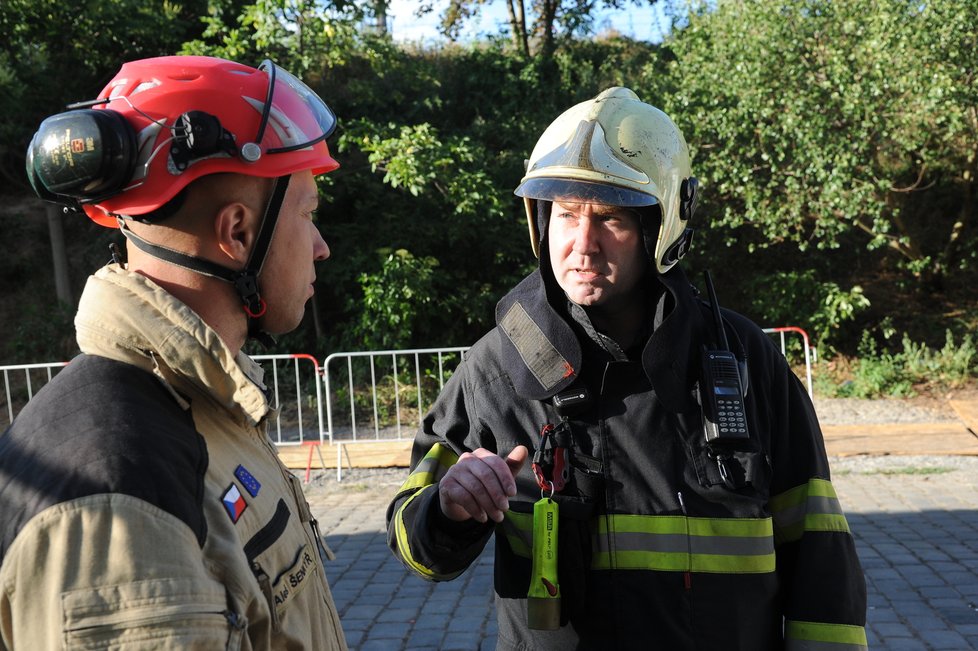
(234, 503)
(247, 480)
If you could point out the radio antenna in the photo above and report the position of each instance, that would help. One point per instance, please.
(715, 306)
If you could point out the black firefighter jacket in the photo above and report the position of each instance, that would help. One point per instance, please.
(657, 548)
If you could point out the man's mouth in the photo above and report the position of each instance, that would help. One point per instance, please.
(586, 272)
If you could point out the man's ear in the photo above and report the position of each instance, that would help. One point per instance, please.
(235, 228)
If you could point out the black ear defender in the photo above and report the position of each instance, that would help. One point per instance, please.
(688, 198)
(81, 156)
(87, 155)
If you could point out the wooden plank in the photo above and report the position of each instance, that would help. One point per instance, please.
(840, 440)
(365, 454)
(967, 411)
(900, 439)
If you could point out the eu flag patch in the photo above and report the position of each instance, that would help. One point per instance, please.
(247, 480)
(234, 503)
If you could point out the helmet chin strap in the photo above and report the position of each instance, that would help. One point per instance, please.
(245, 281)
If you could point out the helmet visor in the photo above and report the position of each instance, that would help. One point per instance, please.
(297, 115)
(569, 190)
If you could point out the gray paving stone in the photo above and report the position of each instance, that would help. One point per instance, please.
(389, 631)
(917, 537)
(425, 637)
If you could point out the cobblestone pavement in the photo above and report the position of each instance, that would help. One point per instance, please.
(915, 520)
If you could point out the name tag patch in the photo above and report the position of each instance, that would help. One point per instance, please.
(292, 580)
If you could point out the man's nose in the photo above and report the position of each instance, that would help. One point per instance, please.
(320, 250)
(586, 236)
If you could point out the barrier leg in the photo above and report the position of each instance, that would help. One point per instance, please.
(322, 463)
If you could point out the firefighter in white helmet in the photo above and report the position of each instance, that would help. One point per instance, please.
(677, 496)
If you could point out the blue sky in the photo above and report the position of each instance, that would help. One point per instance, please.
(641, 22)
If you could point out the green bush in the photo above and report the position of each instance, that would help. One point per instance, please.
(802, 299)
(901, 373)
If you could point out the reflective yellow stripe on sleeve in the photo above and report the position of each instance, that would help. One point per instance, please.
(813, 506)
(816, 636)
(675, 543)
(429, 470)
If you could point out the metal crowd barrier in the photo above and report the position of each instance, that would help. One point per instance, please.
(376, 385)
(294, 425)
(784, 330)
(21, 382)
(354, 397)
(297, 396)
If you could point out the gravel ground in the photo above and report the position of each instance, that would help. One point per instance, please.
(903, 465)
(853, 411)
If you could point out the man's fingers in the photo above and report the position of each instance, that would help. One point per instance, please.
(515, 461)
(457, 502)
(479, 485)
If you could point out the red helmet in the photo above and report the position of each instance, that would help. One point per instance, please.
(195, 115)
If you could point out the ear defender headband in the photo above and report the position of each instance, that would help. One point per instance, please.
(87, 155)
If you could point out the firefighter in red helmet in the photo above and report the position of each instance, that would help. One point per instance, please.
(142, 504)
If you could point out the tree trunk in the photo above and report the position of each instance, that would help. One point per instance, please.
(548, 16)
(517, 21)
(59, 253)
(380, 17)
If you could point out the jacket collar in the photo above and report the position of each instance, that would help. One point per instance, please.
(125, 316)
(542, 353)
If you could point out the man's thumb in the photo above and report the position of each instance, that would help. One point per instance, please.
(517, 458)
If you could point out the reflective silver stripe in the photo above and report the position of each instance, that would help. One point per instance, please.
(812, 506)
(545, 362)
(672, 543)
(722, 545)
(792, 515)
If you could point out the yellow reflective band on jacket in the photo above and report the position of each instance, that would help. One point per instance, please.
(810, 507)
(675, 543)
(518, 529)
(815, 636)
(431, 468)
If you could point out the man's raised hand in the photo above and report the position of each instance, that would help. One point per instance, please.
(480, 484)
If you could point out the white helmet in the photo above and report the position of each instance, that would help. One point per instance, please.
(616, 150)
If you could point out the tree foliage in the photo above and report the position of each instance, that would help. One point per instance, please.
(814, 119)
(847, 130)
(54, 52)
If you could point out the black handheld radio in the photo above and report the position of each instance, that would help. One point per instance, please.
(722, 384)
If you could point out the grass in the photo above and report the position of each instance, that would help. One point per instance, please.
(907, 470)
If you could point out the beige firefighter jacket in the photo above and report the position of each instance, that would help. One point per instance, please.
(218, 552)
